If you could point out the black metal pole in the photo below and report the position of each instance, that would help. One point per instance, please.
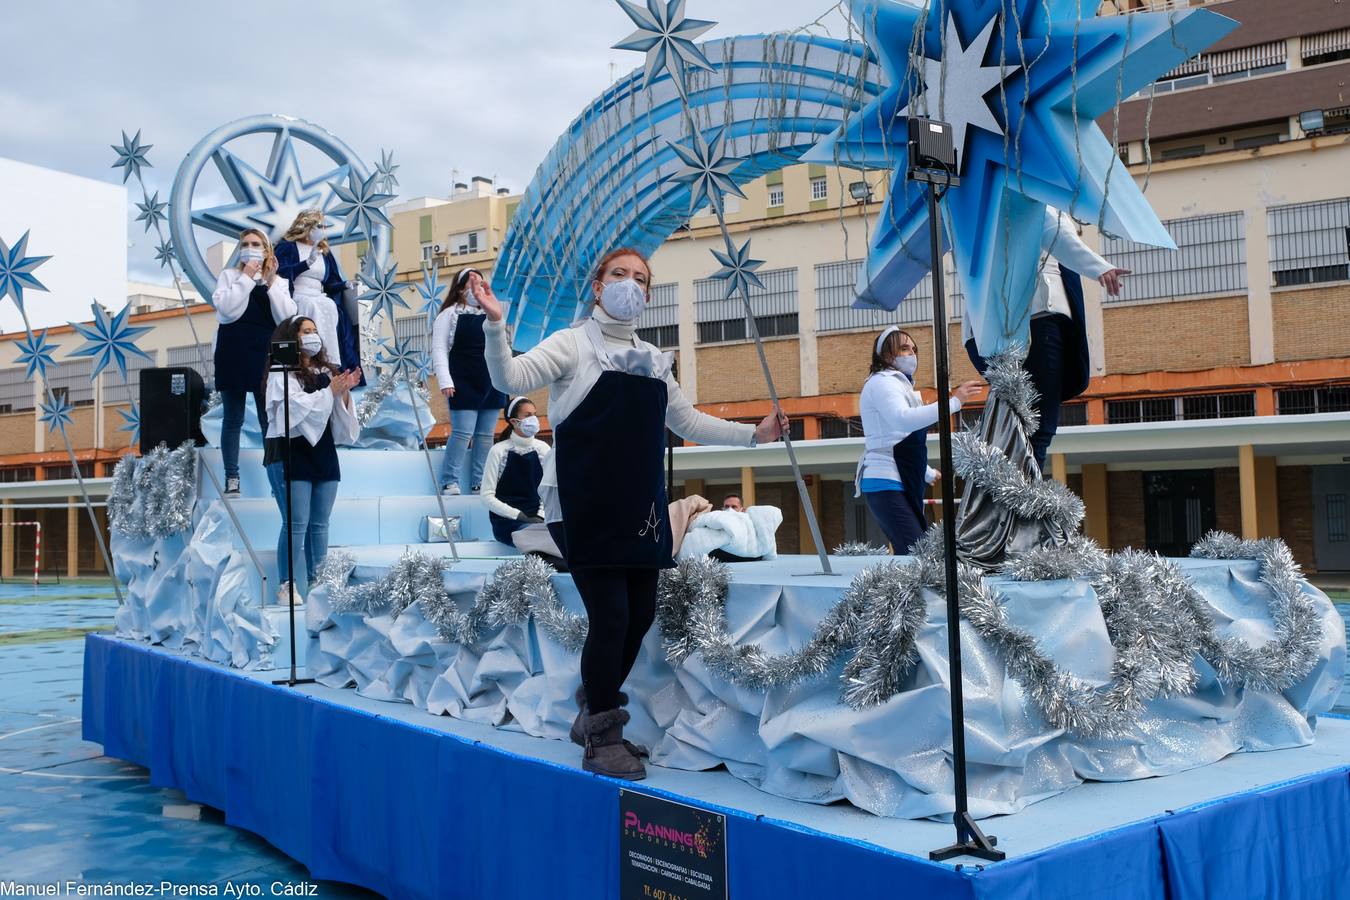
(293, 680)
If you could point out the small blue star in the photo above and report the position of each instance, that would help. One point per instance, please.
(400, 354)
(433, 293)
(35, 352)
(56, 413)
(131, 418)
(707, 170)
(152, 211)
(166, 254)
(738, 269)
(667, 38)
(386, 292)
(16, 270)
(109, 339)
(131, 156)
(361, 205)
(385, 169)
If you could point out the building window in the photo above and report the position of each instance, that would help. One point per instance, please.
(1309, 242)
(775, 195)
(62, 473)
(660, 323)
(414, 330)
(17, 473)
(819, 188)
(468, 242)
(1336, 525)
(835, 293)
(841, 427)
(1175, 409)
(71, 380)
(1073, 414)
(16, 391)
(1328, 46)
(775, 309)
(1178, 510)
(1305, 401)
(191, 357)
(1211, 258)
(428, 252)
(117, 390)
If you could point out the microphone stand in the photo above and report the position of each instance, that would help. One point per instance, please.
(285, 371)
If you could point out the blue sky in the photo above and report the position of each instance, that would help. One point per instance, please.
(484, 88)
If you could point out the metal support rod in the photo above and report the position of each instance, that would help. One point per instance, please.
(426, 454)
(293, 680)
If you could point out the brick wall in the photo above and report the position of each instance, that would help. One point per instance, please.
(730, 373)
(831, 512)
(1294, 487)
(113, 439)
(782, 494)
(844, 359)
(80, 429)
(1125, 497)
(16, 433)
(1312, 324)
(1190, 334)
(1227, 501)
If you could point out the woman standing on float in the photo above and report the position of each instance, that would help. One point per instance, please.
(305, 261)
(611, 397)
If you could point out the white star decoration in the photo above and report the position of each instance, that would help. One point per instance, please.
(152, 211)
(432, 292)
(361, 204)
(386, 291)
(667, 38)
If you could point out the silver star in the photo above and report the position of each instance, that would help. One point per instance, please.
(707, 170)
(16, 270)
(959, 99)
(165, 253)
(738, 269)
(667, 38)
(361, 204)
(131, 156)
(152, 211)
(386, 169)
(386, 291)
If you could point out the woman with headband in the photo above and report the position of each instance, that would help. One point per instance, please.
(514, 468)
(893, 473)
(457, 352)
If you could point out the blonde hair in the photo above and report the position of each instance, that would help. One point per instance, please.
(304, 221)
(269, 265)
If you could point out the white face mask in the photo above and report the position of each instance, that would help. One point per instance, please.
(908, 364)
(311, 344)
(624, 300)
(250, 254)
(318, 235)
(528, 426)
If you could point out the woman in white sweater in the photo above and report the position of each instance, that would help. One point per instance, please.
(515, 466)
(611, 397)
(894, 472)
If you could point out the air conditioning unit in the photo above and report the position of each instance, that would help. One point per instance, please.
(437, 250)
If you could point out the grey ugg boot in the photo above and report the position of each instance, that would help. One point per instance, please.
(605, 753)
(578, 732)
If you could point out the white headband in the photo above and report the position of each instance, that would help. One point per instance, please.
(511, 407)
(881, 341)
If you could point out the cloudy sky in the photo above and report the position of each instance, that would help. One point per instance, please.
(482, 87)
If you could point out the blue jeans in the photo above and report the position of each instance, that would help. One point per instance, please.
(313, 505)
(897, 519)
(466, 424)
(233, 422)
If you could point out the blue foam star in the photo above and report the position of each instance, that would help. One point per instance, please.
(707, 170)
(56, 413)
(131, 417)
(131, 156)
(152, 211)
(361, 205)
(667, 38)
(386, 168)
(432, 293)
(16, 270)
(35, 353)
(165, 253)
(738, 269)
(400, 354)
(386, 292)
(1024, 104)
(109, 339)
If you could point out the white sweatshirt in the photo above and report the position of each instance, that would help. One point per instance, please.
(310, 412)
(443, 338)
(496, 464)
(891, 410)
(232, 291)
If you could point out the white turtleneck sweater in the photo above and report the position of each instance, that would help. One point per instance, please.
(496, 464)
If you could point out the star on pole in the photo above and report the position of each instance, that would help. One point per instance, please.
(667, 37)
(35, 354)
(385, 169)
(432, 292)
(707, 170)
(386, 292)
(131, 156)
(361, 204)
(400, 354)
(738, 269)
(165, 253)
(16, 270)
(131, 418)
(56, 412)
(109, 340)
(152, 211)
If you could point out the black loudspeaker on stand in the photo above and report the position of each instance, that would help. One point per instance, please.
(286, 360)
(171, 401)
(932, 161)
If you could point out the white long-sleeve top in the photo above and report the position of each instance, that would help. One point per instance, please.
(233, 287)
(443, 338)
(496, 464)
(891, 410)
(310, 412)
(1059, 243)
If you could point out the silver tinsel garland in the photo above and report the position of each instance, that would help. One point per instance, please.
(153, 496)
(859, 548)
(376, 394)
(1011, 383)
(1037, 499)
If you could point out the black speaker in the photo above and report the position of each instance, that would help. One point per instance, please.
(172, 401)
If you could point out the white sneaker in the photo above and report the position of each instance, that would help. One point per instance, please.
(451, 490)
(232, 487)
(284, 595)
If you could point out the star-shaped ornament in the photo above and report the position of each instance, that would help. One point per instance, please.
(152, 211)
(738, 269)
(131, 419)
(667, 38)
(386, 292)
(361, 204)
(165, 253)
(432, 292)
(401, 355)
(131, 156)
(35, 354)
(707, 170)
(56, 413)
(386, 168)
(109, 340)
(16, 270)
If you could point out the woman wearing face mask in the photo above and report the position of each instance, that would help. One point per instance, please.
(514, 469)
(457, 352)
(894, 472)
(311, 270)
(611, 397)
(250, 301)
(321, 416)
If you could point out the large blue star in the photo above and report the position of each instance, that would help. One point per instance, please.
(267, 200)
(16, 270)
(109, 340)
(1022, 82)
(385, 291)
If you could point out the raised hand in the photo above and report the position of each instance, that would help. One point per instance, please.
(1113, 281)
(482, 292)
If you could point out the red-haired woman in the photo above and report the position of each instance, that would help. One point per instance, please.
(611, 397)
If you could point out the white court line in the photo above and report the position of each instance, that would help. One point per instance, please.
(57, 774)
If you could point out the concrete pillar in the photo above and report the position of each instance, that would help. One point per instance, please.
(72, 538)
(1258, 490)
(1059, 468)
(747, 486)
(7, 547)
(695, 486)
(1260, 303)
(813, 490)
(1097, 523)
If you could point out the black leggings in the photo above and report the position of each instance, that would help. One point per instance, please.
(620, 606)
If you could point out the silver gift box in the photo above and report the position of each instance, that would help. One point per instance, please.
(434, 529)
